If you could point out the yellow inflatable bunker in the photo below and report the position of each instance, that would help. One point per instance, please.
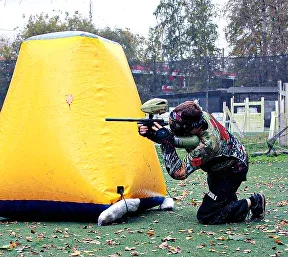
(60, 159)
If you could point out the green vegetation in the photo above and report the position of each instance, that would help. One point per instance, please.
(161, 233)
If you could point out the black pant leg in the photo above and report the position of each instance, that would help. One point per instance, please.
(226, 208)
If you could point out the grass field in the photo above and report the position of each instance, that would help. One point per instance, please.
(164, 233)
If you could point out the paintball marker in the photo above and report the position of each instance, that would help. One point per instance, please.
(160, 106)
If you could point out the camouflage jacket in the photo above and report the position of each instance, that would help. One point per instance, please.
(218, 149)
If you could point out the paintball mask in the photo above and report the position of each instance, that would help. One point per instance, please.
(183, 127)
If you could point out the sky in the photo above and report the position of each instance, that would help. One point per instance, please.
(137, 15)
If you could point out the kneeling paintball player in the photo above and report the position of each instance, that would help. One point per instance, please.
(219, 154)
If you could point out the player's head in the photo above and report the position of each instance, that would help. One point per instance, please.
(186, 117)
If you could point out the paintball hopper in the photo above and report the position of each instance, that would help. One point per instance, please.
(155, 106)
(151, 107)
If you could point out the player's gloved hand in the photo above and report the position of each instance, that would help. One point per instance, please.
(147, 132)
(159, 136)
(156, 133)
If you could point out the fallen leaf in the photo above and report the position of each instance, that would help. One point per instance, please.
(169, 238)
(5, 247)
(29, 238)
(279, 242)
(110, 242)
(163, 245)
(282, 203)
(134, 253)
(248, 240)
(174, 249)
(77, 253)
(221, 238)
(13, 234)
(118, 231)
(129, 248)
(150, 232)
